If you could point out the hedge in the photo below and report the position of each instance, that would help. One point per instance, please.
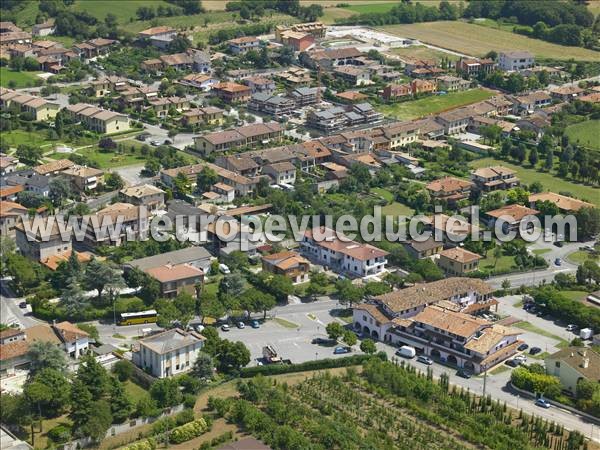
(328, 363)
(146, 444)
(188, 431)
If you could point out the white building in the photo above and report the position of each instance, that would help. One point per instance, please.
(342, 255)
(517, 60)
(168, 353)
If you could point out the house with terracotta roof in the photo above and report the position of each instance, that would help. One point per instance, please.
(458, 261)
(298, 40)
(378, 314)
(493, 178)
(94, 48)
(146, 195)
(425, 248)
(248, 135)
(201, 81)
(114, 224)
(340, 254)
(39, 108)
(243, 44)
(41, 237)
(242, 185)
(289, 264)
(8, 164)
(54, 167)
(449, 189)
(178, 278)
(97, 119)
(74, 340)
(11, 214)
(456, 339)
(162, 105)
(231, 92)
(510, 217)
(168, 353)
(565, 204)
(281, 172)
(83, 178)
(159, 37)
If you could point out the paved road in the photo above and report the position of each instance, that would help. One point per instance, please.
(10, 313)
(100, 200)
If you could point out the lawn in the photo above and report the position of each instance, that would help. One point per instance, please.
(21, 79)
(285, 323)
(15, 138)
(372, 7)
(477, 40)
(397, 209)
(422, 52)
(580, 256)
(125, 11)
(548, 180)
(134, 391)
(434, 104)
(585, 133)
(387, 195)
(541, 251)
(577, 296)
(504, 263)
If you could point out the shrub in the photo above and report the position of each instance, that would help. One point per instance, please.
(123, 369)
(188, 431)
(60, 434)
(185, 416)
(146, 444)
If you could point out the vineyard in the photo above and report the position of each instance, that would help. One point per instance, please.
(386, 406)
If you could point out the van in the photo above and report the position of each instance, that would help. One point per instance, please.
(406, 351)
(224, 269)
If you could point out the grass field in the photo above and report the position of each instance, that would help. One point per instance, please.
(285, 323)
(504, 262)
(477, 40)
(541, 251)
(581, 256)
(548, 180)
(384, 193)
(528, 326)
(125, 11)
(422, 52)
(397, 209)
(434, 104)
(585, 133)
(578, 296)
(372, 7)
(16, 137)
(21, 79)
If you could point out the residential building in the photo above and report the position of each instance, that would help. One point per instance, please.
(208, 115)
(532, 101)
(510, 217)
(242, 185)
(315, 29)
(515, 60)
(449, 189)
(396, 91)
(39, 108)
(458, 261)
(339, 117)
(341, 254)
(423, 86)
(163, 105)
(260, 85)
(305, 96)
(11, 335)
(572, 364)
(295, 77)
(8, 164)
(449, 83)
(231, 92)
(281, 173)
(168, 353)
(159, 37)
(355, 75)
(396, 135)
(146, 195)
(105, 85)
(191, 256)
(330, 58)
(201, 81)
(424, 248)
(84, 178)
(52, 262)
(379, 314)
(42, 242)
(450, 229)
(9, 193)
(492, 178)
(565, 204)
(454, 121)
(473, 66)
(566, 92)
(74, 341)
(289, 264)
(11, 214)
(54, 167)
(226, 193)
(248, 135)
(43, 29)
(240, 163)
(351, 96)
(275, 105)
(97, 119)
(456, 339)
(12, 34)
(175, 279)
(132, 225)
(243, 44)
(94, 47)
(299, 41)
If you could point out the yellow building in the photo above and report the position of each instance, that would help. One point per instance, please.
(458, 261)
(572, 364)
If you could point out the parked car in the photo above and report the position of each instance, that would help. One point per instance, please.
(323, 341)
(406, 351)
(224, 269)
(571, 327)
(535, 350)
(23, 305)
(225, 327)
(558, 244)
(521, 359)
(523, 347)
(542, 403)
(255, 324)
(463, 373)
(241, 325)
(341, 350)
(558, 261)
(155, 143)
(425, 360)
(512, 363)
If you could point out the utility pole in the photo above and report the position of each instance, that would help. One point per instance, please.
(484, 381)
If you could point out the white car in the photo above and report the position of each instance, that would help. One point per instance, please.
(522, 359)
(224, 269)
(571, 327)
(225, 327)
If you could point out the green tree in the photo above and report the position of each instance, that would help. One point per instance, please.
(45, 355)
(73, 299)
(205, 179)
(101, 275)
(93, 375)
(232, 356)
(29, 154)
(113, 181)
(120, 404)
(281, 287)
(368, 346)
(48, 391)
(81, 407)
(165, 392)
(60, 190)
(348, 293)
(533, 157)
(350, 338)
(203, 366)
(334, 330)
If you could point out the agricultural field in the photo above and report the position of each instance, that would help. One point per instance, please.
(434, 104)
(477, 40)
(372, 7)
(20, 79)
(422, 52)
(383, 406)
(126, 9)
(585, 134)
(548, 180)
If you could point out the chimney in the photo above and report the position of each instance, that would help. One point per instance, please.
(586, 363)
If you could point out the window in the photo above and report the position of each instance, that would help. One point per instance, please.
(557, 364)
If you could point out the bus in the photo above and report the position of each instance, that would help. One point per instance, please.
(132, 318)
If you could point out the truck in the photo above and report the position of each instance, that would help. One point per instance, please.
(270, 356)
(406, 351)
(586, 333)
